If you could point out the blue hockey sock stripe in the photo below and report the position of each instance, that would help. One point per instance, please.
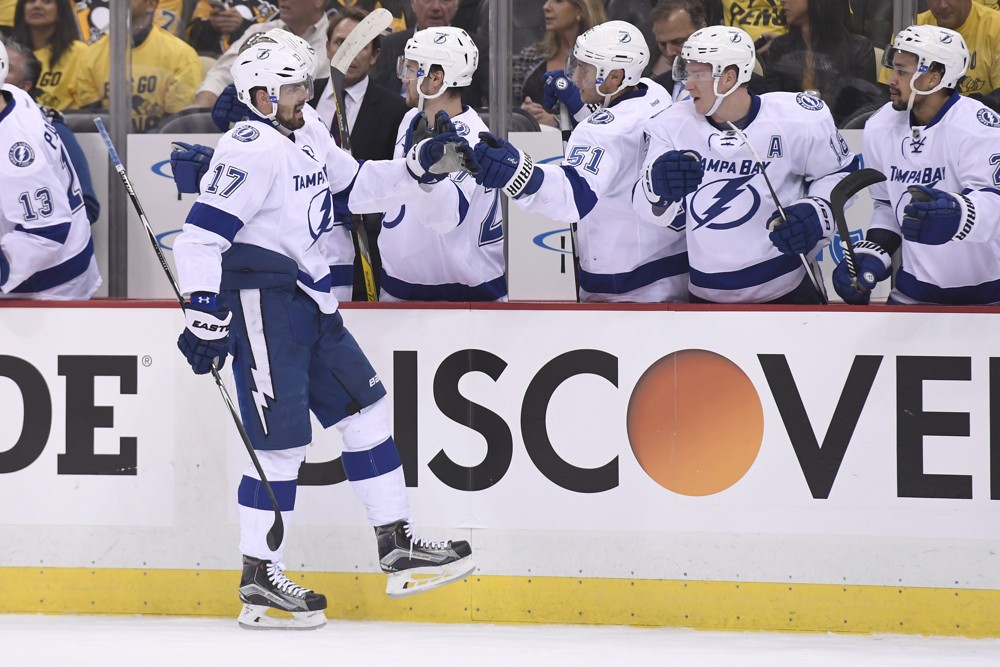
(373, 462)
(252, 494)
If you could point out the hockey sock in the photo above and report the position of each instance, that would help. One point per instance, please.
(256, 514)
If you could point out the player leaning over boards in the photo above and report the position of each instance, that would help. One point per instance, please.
(702, 166)
(940, 152)
(622, 258)
(252, 257)
(46, 251)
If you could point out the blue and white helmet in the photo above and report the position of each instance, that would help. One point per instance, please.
(720, 47)
(449, 48)
(610, 46)
(269, 65)
(4, 63)
(292, 41)
(932, 44)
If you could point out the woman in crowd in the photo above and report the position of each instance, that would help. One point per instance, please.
(820, 55)
(49, 27)
(565, 20)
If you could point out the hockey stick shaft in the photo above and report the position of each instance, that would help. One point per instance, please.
(362, 34)
(277, 532)
(781, 211)
(849, 186)
(566, 127)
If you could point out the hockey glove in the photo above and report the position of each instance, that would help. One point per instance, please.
(228, 109)
(503, 166)
(672, 176)
(559, 88)
(934, 217)
(206, 338)
(807, 222)
(416, 132)
(188, 163)
(874, 266)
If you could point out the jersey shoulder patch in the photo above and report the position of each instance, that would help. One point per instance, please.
(809, 102)
(21, 154)
(245, 133)
(601, 117)
(988, 117)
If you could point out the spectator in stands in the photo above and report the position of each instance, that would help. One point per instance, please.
(374, 115)
(24, 71)
(762, 19)
(673, 22)
(94, 16)
(980, 28)
(216, 24)
(821, 56)
(49, 27)
(304, 18)
(431, 14)
(165, 71)
(565, 20)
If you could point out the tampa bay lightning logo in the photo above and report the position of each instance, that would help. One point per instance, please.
(731, 200)
(308, 150)
(809, 102)
(389, 224)
(624, 37)
(461, 128)
(440, 38)
(245, 133)
(321, 214)
(988, 118)
(945, 38)
(21, 154)
(601, 117)
(263, 54)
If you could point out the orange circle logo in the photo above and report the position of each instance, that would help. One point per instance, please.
(695, 422)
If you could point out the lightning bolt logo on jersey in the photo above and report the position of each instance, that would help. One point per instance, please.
(732, 259)
(959, 152)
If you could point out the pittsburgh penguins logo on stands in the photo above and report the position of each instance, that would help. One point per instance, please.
(809, 102)
(988, 117)
(245, 133)
(21, 154)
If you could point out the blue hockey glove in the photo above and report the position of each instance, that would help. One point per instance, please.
(416, 132)
(228, 109)
(503, 166)
(672, 176)
(874, 266)
(934, 217)
(559, 88)
(808, 221)
(206, 337)
(188, 163)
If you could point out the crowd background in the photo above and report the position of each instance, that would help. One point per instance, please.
(178, 58)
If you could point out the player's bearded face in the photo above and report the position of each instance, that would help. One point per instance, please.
(291, 99)
(900, 76)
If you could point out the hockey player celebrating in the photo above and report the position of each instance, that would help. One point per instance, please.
(252, 255)
(940, 152)
(456, 254)
(702, 172)
(46, 251)
(621, 257)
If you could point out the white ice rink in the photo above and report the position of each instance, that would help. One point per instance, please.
(132, 641)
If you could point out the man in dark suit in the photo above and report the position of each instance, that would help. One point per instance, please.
(432, 14)
(373, 118)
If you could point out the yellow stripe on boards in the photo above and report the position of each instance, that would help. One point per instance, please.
(503, 599)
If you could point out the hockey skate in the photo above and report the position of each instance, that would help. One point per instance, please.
(273, 601)
(415, 565)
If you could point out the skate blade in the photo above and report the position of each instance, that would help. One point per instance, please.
(421, 579)
(262, 617)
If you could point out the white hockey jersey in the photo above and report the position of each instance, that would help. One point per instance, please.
(732, 259)
(292, 195)
(622, 257)
(44, 231)
(958, 152)
(454, 253)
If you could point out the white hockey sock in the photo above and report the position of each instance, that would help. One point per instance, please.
(281, 467)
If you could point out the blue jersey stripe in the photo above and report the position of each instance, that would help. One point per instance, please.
(58, 274)
(583, 196)
(647, 274)
(58, 233)
(214, 220)
(971, 295)
(488, 291)
(758, 274)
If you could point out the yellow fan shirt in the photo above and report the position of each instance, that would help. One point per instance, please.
(58, 84)
(755, 16)
(165, 73)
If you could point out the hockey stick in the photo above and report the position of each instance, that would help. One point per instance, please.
(362, 34)
(851, 185)
(781, 211)
(277, 532)
(566, 127)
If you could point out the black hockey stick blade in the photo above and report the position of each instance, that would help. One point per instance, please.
(842, 193)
